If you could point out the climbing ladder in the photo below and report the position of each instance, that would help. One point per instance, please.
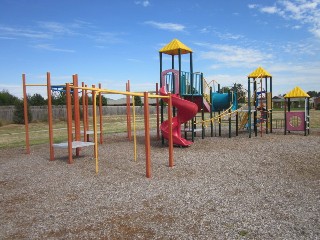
(244, 120)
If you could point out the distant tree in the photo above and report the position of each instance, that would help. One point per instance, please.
(224, 89)
(58, 98)
(7, 99)
(18, 115)
(313, 94)
(241, 92)
(36, 100)
(137, 101)
(104, 100)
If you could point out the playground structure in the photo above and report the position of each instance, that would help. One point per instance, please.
(73, 111)
(186, 94)
(261, 102)
(195, 90)
(297, 120)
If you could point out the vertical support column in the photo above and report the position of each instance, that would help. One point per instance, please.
(202, 106)
(237, 123)
(94, 115)
(87, 111)
(271, 107)
(171, 163)
(84, 113)
(100, 115)
(134, 129)
(229, 112)
(147, 134)
(308, 115)
(128, 112)
(267, 107)
(69, 122)
(255, 107)
(211, 117)
(50, 117)
(76, 111)
(219, 119)
(192, 92)
(235, 100)
(25, 113)
(249, 108)
(157, 109)
(161, 101)
(285, 116)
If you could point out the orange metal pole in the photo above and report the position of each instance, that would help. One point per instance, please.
(157, 107)
(69, 123)
(100, 115)
(94, 116)
(147, 134)
(25, 111)
(128, 111)
(50, 116)
(84, 113)
(171, 164)
(76, 111)
(87, 110)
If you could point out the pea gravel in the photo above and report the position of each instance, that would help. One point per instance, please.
(240, 188)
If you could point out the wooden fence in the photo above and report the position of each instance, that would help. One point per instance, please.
(39, 113)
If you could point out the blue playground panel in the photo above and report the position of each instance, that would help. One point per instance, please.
(185, 82)
(220, 102)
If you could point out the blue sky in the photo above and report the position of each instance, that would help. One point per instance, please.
(110, 42)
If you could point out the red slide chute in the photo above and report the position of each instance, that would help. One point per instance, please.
(186, 111)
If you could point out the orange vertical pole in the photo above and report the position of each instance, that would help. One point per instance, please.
(76, 111)
(147, 134)
(84, 113)
(25, 112)
(69, 123)
(171, 164)
(50, 116)
(128, 111)
(157, 107)
(94, 116)
(87, 110)
(100, 115)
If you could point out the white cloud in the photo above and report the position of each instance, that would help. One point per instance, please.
(144, 3)
(51, 47)
(270, 10)
(175, 27)
(11, 32)
(106, 37)
(231, 55)
(306, 12)
(252, 6)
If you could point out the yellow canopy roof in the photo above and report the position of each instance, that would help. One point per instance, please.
(173, 47)
(259, 72)
(297, 92)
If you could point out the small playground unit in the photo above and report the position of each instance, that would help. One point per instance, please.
(75, 141)
(193, 94)
(297, 120)
(190, 102)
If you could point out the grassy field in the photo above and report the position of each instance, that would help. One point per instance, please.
(13, 135)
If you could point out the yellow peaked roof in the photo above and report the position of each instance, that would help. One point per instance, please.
(259, 72)
(297, 92)
(172, 48)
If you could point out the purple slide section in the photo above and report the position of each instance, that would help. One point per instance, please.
(186, 111)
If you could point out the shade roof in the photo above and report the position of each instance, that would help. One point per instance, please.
(172, 48)
(259, 72)
(297, 92)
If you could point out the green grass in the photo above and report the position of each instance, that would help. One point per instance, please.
(13, 135)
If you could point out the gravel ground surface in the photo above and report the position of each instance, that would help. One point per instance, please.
(259, 188)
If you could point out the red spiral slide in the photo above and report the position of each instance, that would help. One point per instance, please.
(186, 111)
